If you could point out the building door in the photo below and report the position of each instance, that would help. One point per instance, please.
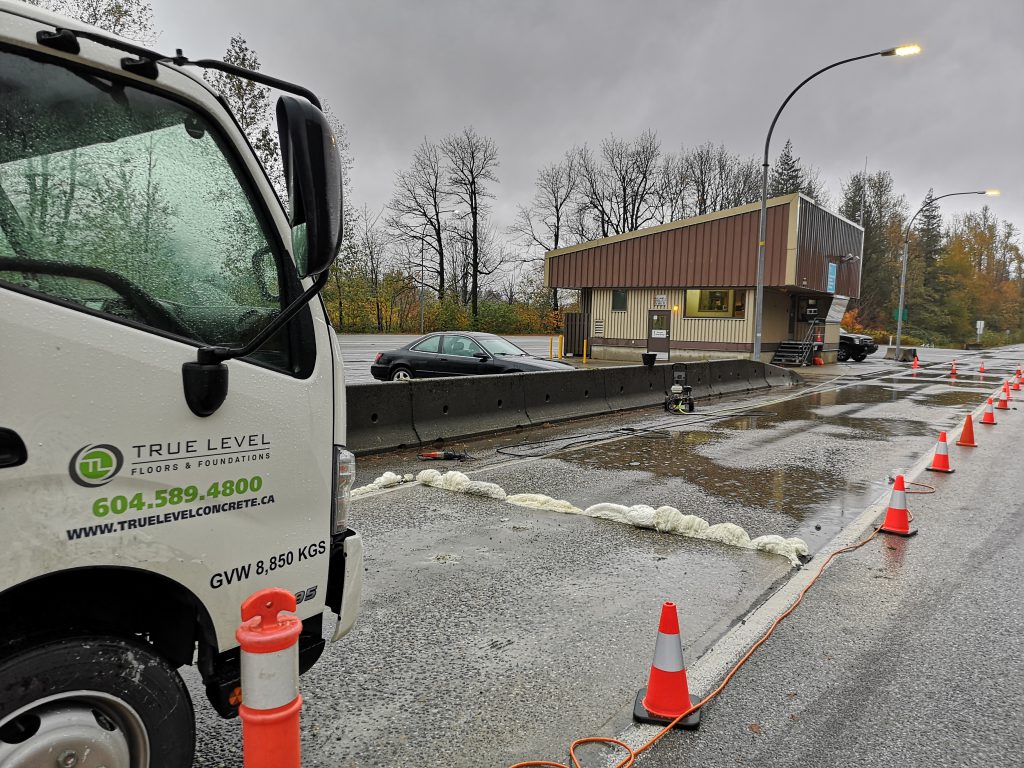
(659, 335)
(577, 326)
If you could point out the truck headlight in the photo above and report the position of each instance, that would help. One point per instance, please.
(344, 475)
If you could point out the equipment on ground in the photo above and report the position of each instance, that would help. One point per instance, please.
(679, 398)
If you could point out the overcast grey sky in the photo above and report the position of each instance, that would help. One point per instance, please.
(540, 76)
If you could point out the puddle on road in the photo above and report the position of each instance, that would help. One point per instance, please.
(810, 459)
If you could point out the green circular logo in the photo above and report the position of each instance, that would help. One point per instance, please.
(95, 465)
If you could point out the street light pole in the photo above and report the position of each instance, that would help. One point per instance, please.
(904, 50)
(906, 249)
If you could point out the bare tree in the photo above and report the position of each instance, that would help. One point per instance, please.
(545, 222)
(132, 19)
(673, 190)
(371, 243)
(471, 163)
(618, 190)
(417, 210)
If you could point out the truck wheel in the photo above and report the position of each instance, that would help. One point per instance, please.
(843, 354)
(93, 701)
(859, 358)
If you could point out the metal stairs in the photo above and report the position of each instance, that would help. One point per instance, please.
(798, 352)
(792, 353)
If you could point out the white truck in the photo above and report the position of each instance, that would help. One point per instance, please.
(172, 400)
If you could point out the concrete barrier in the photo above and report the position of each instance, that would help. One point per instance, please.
(391, 415)
(556, 395)
(443, 409)
(730, 376)
(379, 416)
(776, 376)
(698, 376)
(907, 354)
(636, 386)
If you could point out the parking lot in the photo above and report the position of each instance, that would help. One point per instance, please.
(490, 632)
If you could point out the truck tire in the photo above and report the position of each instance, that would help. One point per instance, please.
(843, 354)
(96, 701)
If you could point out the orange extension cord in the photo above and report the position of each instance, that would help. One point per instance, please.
(632, 754)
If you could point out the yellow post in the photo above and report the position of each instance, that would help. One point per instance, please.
(584, 351)
(551, 347)
(561, 346)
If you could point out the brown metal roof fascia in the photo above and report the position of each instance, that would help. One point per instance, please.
(717, 250)
(824, 237)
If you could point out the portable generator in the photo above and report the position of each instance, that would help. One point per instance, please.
(679, 398)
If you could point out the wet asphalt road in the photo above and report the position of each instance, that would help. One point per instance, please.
(492, 633)
(907, 652)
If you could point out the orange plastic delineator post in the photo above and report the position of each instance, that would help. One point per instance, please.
(989, 416)
(940, 461)
(897, 516)
(967, 434)
(916, 365)
(667, 694)
(270, 680)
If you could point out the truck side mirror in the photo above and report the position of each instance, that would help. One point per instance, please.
(312, 171)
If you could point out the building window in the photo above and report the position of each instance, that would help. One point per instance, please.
(725, 303)
(618, 300)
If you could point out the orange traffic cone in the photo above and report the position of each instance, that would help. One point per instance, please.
(952, 372)
(1003, 404)
(1006, 389)
(967, 434)
(1016, 384)
(989, 416)
(916, 364)
(982, 368)
(940, 461)
(667, 694)
(897, 516)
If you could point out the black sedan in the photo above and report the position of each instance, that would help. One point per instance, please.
(462, 353)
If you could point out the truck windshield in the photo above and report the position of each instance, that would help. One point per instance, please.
(123, 202)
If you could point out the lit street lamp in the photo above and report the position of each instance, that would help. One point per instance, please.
(906, 247)
(903, 50)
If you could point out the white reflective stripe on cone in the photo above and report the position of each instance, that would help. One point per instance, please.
(941, 448)
(270, 680)
(898, 500)
(668, 653)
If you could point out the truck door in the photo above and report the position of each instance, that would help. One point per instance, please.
(130, 234)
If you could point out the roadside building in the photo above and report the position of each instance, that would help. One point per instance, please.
(686, 289)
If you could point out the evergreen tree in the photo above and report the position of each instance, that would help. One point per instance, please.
(925, 252)
(786, 176)
(884, 214)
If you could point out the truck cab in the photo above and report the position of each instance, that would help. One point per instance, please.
(172, 399)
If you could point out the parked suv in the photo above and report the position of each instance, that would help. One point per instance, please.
(855, 346)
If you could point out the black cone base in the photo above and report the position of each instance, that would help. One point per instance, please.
(904, 534)
(689, 723)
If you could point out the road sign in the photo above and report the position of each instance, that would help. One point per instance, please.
(896, 312)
